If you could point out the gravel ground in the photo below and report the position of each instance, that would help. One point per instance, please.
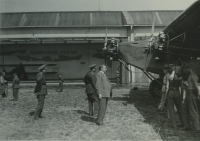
(66, 117)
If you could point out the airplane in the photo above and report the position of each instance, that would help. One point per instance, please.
(177, 43)
(20, 70)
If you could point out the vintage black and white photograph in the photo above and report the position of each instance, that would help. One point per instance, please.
(100, 70)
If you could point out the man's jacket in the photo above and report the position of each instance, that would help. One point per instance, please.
(103, 85)
(41, 88)
(15, 84)
(89, 80)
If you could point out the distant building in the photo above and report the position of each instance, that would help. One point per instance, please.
(71, 41)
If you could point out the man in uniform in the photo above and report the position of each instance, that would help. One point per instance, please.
(61, 80)
(190, 108)
(89, 81)
(40, 91)
(104, 90)
(2, 83)
(15, 86)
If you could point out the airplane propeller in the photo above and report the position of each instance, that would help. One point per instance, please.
(151, 36)
(105, 48)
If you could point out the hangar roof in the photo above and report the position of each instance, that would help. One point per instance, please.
(86, 19)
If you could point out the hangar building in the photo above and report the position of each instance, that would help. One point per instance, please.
(70, 41)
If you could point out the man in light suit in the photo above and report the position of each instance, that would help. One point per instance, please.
(104, 90)
(40, 91)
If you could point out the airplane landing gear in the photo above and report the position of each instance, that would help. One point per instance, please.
(155, 88)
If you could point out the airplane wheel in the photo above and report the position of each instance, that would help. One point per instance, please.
(155, 88)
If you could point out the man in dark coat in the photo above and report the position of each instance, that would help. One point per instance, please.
(190, 106)
(89, 80)
(2, 85)
(15, 86)
(104, 91)
(40, 91)
(61, 80)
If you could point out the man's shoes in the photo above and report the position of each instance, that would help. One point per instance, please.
(35, 118)
(41, 117)
(99, 123)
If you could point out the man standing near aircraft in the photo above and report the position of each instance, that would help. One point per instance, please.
(61, 80)
(15, 86)
(40, 91)
(163, 98)
(104, 90)
(2, 83)
(190, 108)
(89, 81)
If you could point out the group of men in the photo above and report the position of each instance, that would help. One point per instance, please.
(4, 86)
(185, 99)
(99, 90)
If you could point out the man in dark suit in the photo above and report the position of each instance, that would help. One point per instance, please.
(61, 80)
(89, 80)
(40, 91)
(15, 86)
(104, 90)
(190, 100)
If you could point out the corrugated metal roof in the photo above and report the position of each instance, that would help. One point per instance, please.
(81, 19)
(162, 18)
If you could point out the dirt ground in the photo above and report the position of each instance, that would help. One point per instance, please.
(147, 106)
(131, 115)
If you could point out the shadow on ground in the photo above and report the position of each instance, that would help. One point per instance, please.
(88, 119)
(81, 112)
(147, 106)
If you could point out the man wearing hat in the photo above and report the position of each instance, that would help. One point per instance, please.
(61, 80)
(40, 91)
(190, 108)
(15, 86)
(89, 80)
(2, 84)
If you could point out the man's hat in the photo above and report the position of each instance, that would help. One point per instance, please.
(14, 73)
(42, 67)
(61, 73)
(92, 66)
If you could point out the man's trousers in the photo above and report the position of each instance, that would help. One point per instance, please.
(174, 97)
(40, 106)
(102, 109)
(92, 103)
(190, 110)
(15, 94)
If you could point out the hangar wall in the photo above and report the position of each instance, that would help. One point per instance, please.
(71, 59)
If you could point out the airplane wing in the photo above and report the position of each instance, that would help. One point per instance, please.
(186, 21)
